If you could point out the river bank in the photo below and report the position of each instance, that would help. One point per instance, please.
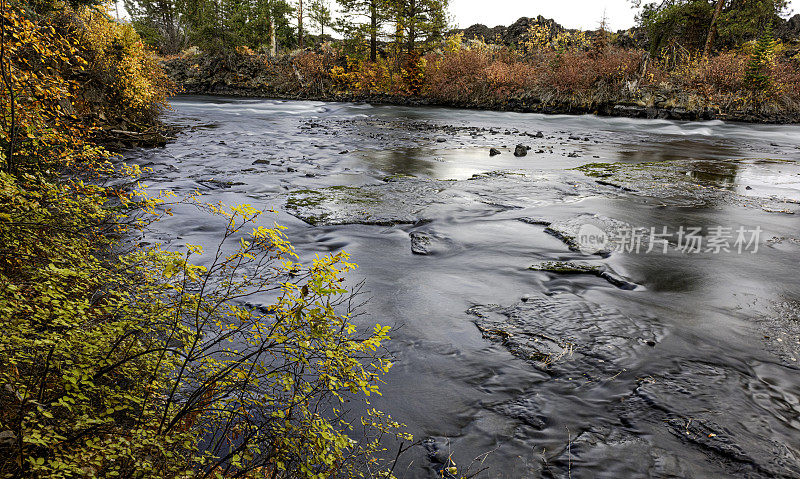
(619, 88)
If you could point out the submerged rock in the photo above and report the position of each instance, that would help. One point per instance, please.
(406, 200)
(428, 243)
(391, 203)
(535, 221)
(692, 401)
(570, 232)
(567, 335)
(420, 242)
(525, 410)
(570, 267)
(681, 182)
(213, 183)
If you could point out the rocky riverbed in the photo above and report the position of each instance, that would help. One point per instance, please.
(553, 316)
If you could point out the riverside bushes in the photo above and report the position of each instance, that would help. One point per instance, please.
(123, 361)
(480, 74)
(567, 74)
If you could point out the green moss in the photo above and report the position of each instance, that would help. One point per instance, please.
(599, 170)
(304, 199)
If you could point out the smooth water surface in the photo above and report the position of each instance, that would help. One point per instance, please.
(692, 373)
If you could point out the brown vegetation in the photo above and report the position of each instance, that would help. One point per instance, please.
(568, 74)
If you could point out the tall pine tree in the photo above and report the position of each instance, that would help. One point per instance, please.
(418, 23)
(363, 18)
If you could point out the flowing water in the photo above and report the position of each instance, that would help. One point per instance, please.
(641, 364)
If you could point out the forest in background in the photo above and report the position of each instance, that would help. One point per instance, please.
(685, 59)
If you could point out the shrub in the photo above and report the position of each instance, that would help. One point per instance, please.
(117, 361)
(479, 73)
(759, 74)
(482, 73)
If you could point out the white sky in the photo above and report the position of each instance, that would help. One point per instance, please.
(584, 14)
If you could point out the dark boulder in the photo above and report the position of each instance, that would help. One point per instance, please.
(420, 242)
(790, 30)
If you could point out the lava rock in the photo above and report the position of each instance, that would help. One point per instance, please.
(420, 243)
(520, 150)
(576, 268)
(494, 152)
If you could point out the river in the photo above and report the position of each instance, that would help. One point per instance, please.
(599, 362)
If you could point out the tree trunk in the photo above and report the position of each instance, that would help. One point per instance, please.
(272, 45)
(713, 27)
(300, 24)
(12, 101)
(412, 31)
(373, 32)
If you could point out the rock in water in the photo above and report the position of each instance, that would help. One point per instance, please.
(494, 152)
(599, 270)
(569, 231)
(520, 150)
(420, 242)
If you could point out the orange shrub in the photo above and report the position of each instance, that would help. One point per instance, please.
(579, 73)
(723, 73)
(484, 75)
(477, 75)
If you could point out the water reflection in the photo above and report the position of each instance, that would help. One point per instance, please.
(668, 150)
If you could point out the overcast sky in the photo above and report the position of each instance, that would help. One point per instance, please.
(584, 14)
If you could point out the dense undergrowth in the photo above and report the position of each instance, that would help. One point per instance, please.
(121, 361)
(570, 73)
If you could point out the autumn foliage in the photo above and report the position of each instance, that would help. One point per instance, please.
(118, 360)
(569, 72)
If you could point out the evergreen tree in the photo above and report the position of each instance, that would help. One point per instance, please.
(320, 13)
(702, 25)
(300, 15)
(418, 22)
(759, 70)
(212, 25)
(158, 23)
(363, 18)
(262, 17)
